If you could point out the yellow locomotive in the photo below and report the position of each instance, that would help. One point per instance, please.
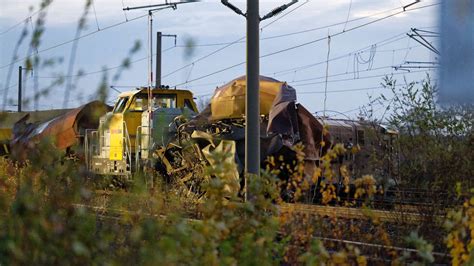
(126, 134)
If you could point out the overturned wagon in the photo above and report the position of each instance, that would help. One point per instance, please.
(66, 129)
(9, 119)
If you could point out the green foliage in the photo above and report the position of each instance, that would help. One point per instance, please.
(445, 132)
(424, 255)
(40, 223)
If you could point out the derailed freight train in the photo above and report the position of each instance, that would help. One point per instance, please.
(171, 138)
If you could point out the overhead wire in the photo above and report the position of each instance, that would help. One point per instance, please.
(23, 20)
(326, 78)
(380, 44)
(104, 69)
(343, 90)
(295, 83)
(342, 32)
(95, 15)
(358, 60)
(78, 38)
(124, 12)
(20, 40)
(366, 77)
(330, 25)
(286, 14)
(226, 45)
(348, 14)
(325, 95)
(306, 43)
(240, 40)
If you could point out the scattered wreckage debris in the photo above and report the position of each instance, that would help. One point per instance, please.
(220, 128)
(8, 120)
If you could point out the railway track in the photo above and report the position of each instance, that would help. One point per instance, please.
(358, 213)
(402, 213)
(117, 215)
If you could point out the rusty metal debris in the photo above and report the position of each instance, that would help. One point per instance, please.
(66, 130)
(221, 127)
(8, 120)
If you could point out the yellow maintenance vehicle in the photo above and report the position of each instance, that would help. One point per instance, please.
(126, 135)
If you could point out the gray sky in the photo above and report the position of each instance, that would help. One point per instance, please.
(360, 56)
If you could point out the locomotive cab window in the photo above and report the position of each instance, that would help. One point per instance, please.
(187, 103)
(120, 106)
(164, 101)
(140, 102)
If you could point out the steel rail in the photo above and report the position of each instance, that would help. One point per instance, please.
(358, 213)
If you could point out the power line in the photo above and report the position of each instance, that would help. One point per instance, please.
(329, 81)
(105, 69)
(11, 86)
(78, 38)
(348, 14)
(23, 20)
(366, 77)
(286, 14)
(334, 75)
(379, 44)
(331, 25)
(224, 47)
(346, 72)
(210, 74)
(203, 57)
(344, 90)
(342, 32)
(305, 44)
(334, 91)
(240, 40)
(280, 35)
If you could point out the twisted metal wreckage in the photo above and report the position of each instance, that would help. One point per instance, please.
(220, 128)
(65, 128)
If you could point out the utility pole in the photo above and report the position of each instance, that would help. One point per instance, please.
(252, 94)
(158, 60)
(159, 36)
(20, 70)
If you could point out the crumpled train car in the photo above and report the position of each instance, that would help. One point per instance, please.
(8, 120)
(283, 124)
(66, 130)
